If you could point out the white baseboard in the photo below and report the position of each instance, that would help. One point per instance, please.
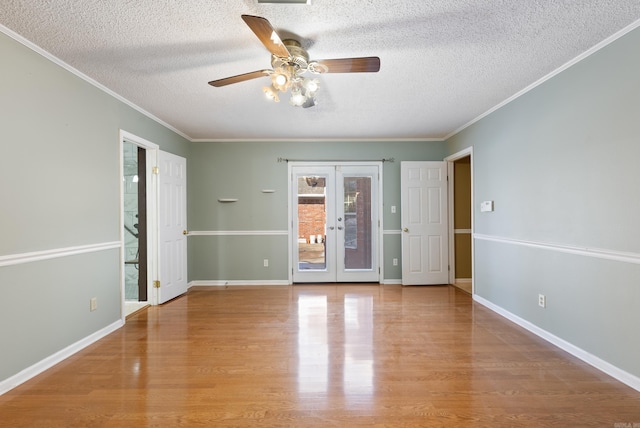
(598, 363)
(222, 283)
(219, 283)
(54, 359)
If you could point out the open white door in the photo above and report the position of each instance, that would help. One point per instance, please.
(424, 223)
(172, 226)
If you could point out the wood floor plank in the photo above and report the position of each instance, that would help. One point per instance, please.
(321, 355)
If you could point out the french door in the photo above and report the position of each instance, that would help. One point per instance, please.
(335, 227)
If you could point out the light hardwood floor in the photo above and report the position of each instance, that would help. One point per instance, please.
(321, 355)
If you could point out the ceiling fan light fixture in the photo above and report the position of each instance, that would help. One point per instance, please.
(311, 86)
(280, 80)
(271, 93)
(288, 77)
(297, 97)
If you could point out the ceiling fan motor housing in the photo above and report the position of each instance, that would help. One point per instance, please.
(299, 58)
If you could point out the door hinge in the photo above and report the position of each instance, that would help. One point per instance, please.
(156, 284)
(155, 170)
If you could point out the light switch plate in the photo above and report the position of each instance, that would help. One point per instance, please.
(486, 206)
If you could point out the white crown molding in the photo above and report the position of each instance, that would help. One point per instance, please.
(20, 39)
(598, 363)
(316, 140)
(16, 259)
(54, 359)
(555, 72)
(600, 253)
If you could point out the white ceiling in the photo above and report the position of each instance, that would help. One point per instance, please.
(443, 62)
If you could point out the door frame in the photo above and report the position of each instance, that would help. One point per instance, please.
(452, 260)
(151, 151)
(379, 207)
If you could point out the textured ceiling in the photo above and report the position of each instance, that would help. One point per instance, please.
(443, 62)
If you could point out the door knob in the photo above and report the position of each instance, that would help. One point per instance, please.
(405, 229)
(339, 218)
(339, 227)
(185, 232)
(331, 227)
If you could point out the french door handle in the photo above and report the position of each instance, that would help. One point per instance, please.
(331, 227)
(339, 227)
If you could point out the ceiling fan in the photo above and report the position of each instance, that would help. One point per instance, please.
(290, 61)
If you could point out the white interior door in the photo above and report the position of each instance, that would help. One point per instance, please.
(335, 226)
(424, 223)
(172, 226)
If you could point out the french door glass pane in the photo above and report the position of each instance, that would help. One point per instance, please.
(357, 223)
(312, 219)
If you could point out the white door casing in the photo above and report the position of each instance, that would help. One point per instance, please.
(424, 223)
(152, 150)
(468, 152)
(172, 226)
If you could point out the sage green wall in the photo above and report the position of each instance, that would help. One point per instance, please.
(561, 164)
(241, 169)
(60, 187)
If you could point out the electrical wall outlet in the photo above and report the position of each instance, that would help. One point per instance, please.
(395, 262)
(265, 262)
(93, 304)
(542, 300)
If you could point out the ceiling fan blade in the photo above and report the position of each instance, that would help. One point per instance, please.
(267, 35)
(239, 78)
(370, 64)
